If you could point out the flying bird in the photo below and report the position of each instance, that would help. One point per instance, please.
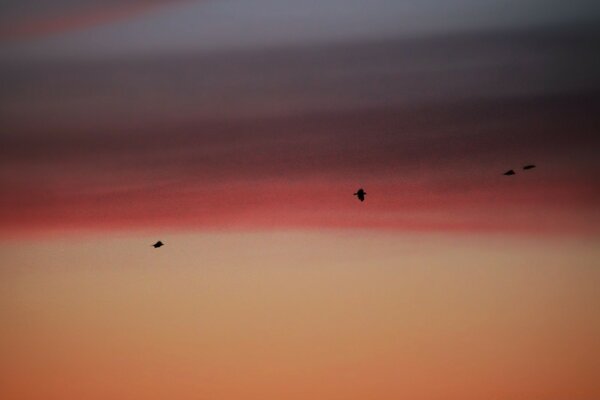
(529, 166)
(509, 172)
(360, 193)
(158, 244)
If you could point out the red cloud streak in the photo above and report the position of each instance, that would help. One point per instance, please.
(525, 206)
(80, 18)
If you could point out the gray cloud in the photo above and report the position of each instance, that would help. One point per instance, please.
(235, 24)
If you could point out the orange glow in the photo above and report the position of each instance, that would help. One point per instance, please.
(300, 316)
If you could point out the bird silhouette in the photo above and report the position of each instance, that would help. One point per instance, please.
(158, 244)
(529, 166)
(360, 193)
(509, 172)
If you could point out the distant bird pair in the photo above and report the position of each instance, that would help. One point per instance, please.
(512, 172)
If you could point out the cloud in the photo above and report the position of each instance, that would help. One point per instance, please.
(282, 138)
(30, 19)
(301, 172)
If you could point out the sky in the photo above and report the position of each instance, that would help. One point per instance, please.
(236, 132)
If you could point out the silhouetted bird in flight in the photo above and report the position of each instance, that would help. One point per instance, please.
(529, 166)
(509, 172)
(158, 244)
(360, 193)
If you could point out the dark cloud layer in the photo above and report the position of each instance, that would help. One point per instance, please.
(236, 138)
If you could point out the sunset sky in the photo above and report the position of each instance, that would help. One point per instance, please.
(236, 133)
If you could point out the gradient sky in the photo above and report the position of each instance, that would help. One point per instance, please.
(236, 132)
